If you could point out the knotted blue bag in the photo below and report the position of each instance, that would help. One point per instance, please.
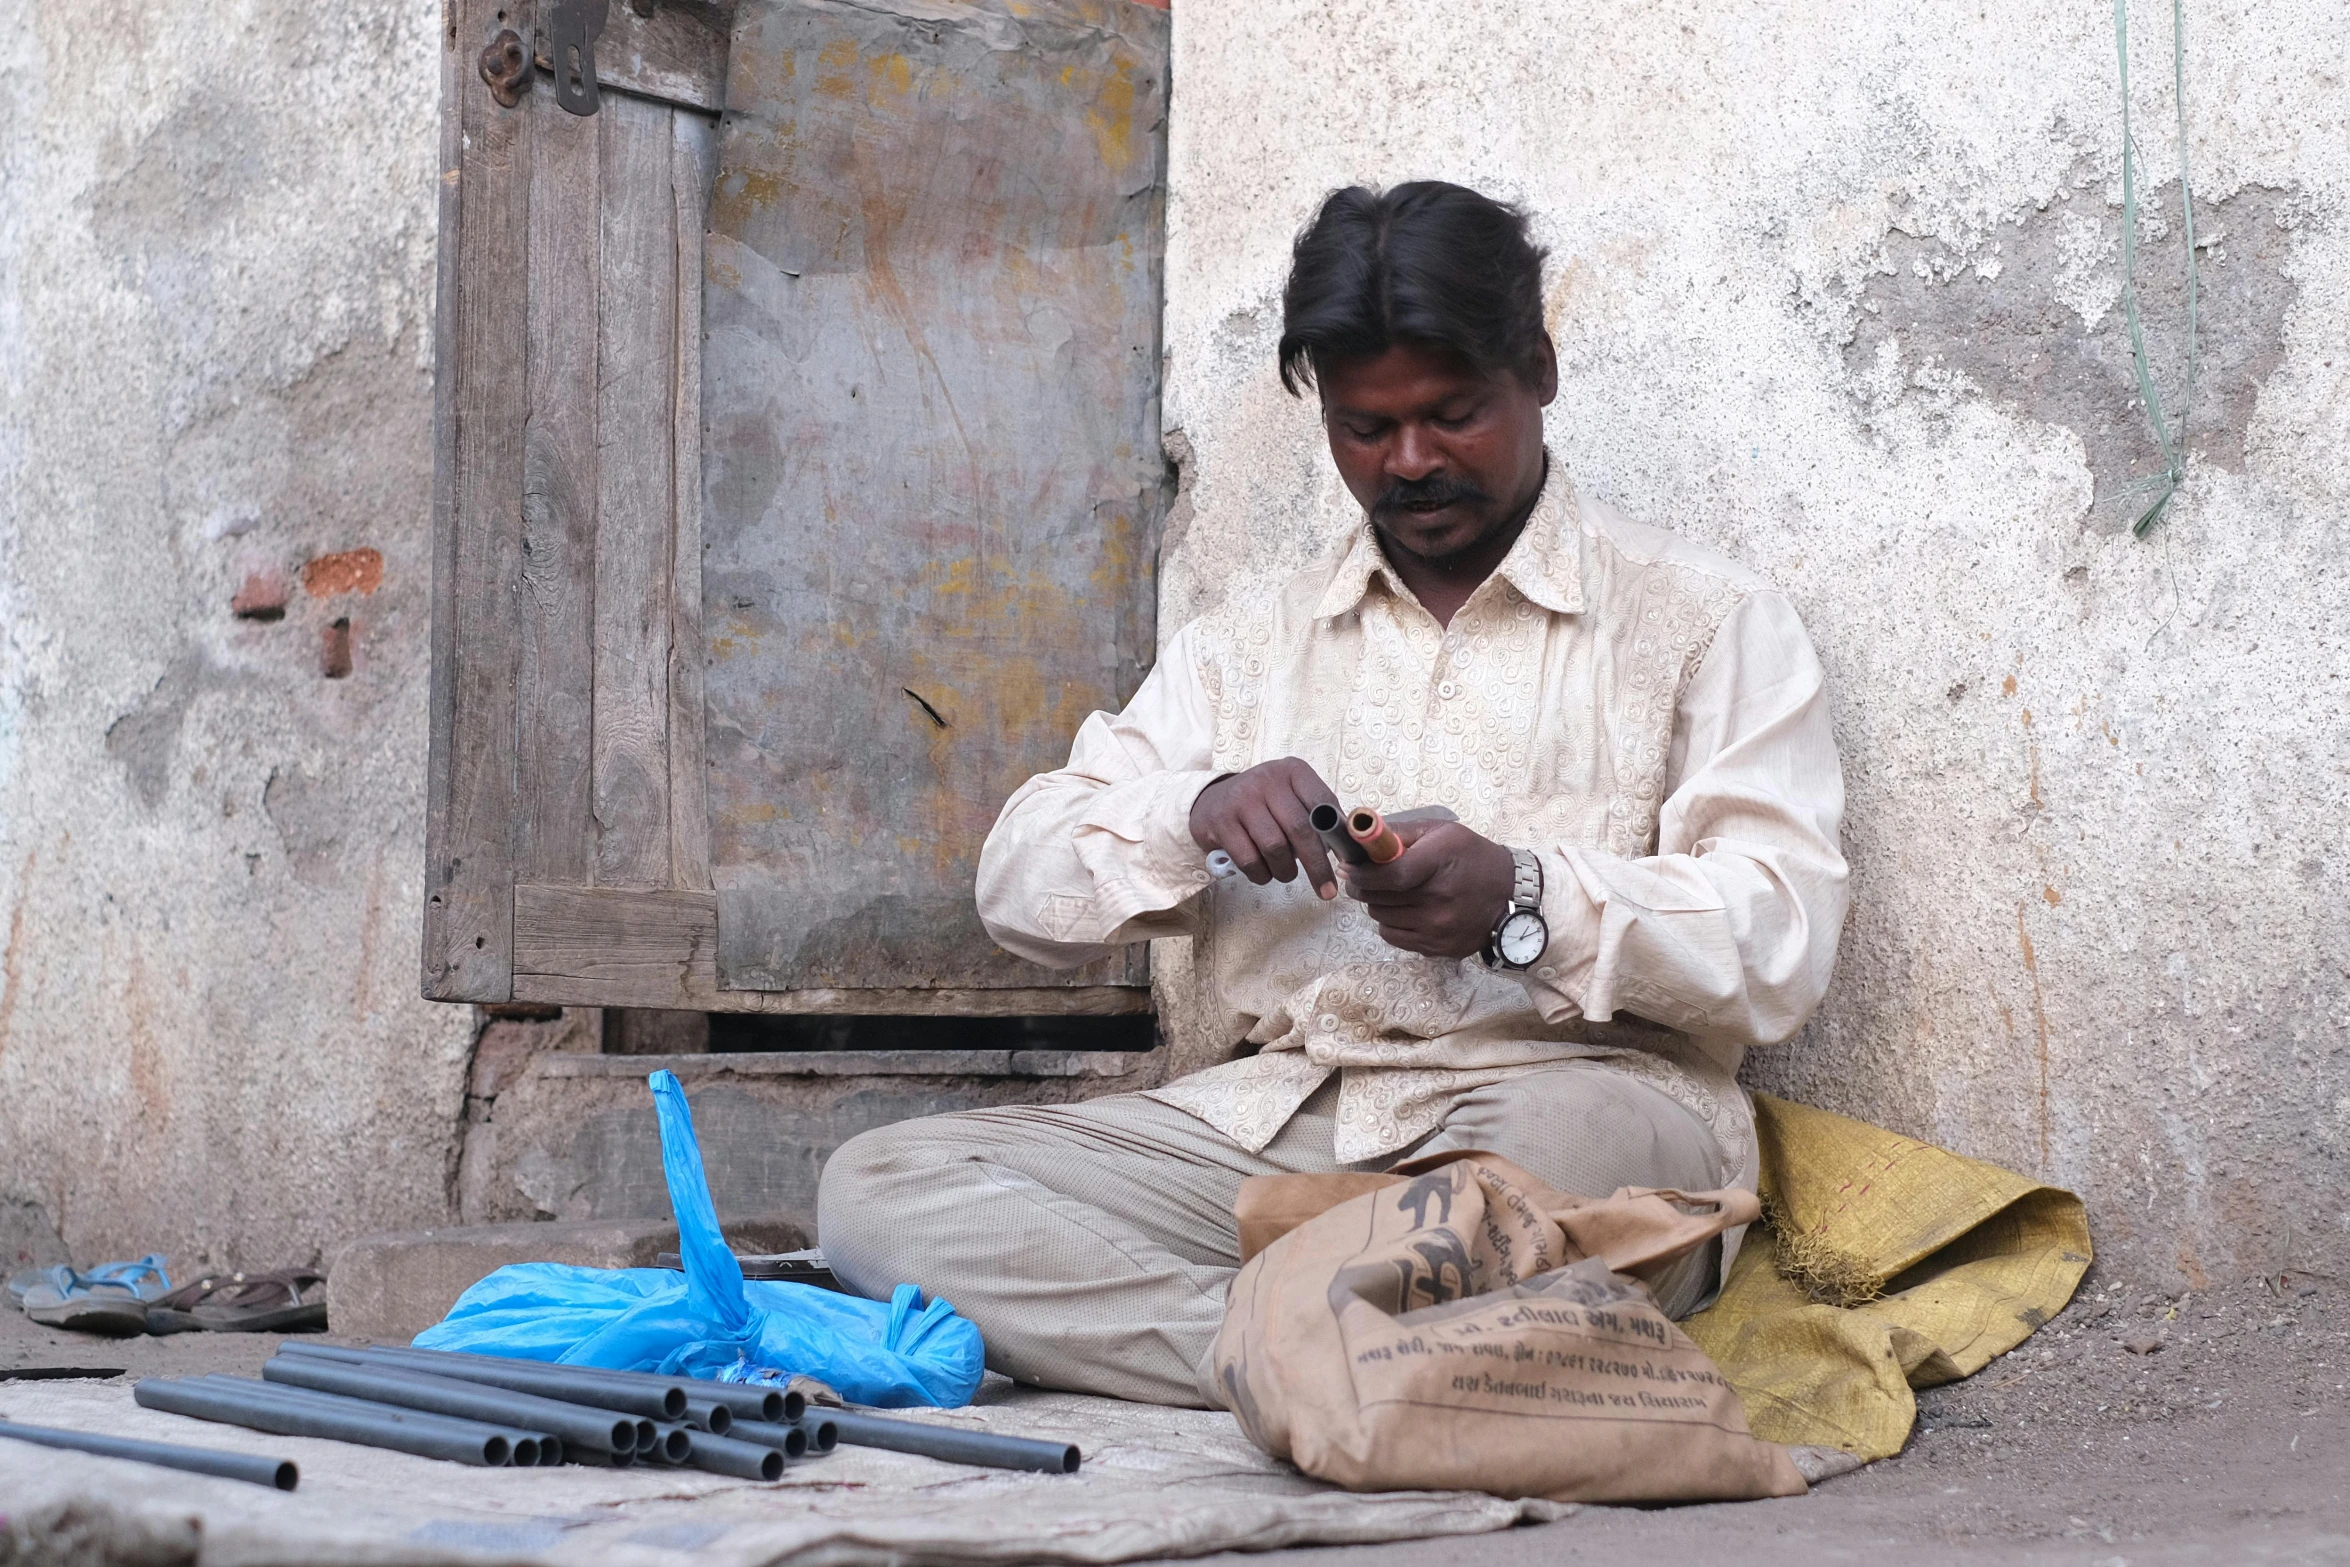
(708, 1322)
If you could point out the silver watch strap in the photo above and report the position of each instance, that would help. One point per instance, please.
(1526, 887)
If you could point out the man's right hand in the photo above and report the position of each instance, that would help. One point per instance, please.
(1259, 818)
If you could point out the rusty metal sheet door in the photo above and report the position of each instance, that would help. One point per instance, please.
(932, 471)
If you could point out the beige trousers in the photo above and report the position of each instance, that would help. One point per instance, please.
(1092, 1243)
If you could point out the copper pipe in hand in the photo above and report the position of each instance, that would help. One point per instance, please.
(1366, 827)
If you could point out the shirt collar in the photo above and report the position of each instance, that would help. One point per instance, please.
(1545, 565)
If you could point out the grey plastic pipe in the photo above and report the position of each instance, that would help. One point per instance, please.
(580, 1426)
(744, 1401)
(524, 1449)
(982, 1448)
(663, 1400)
(482, 1447)
(790, 1441)
(744, 1460)
(279, 1472)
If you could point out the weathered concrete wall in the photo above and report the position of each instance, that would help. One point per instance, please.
(1835, 289)
(216, 279)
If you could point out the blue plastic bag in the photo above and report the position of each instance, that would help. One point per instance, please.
(708, 1320)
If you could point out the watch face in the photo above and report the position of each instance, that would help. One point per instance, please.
(1521, 938)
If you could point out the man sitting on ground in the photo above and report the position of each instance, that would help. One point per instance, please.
(1643, 878)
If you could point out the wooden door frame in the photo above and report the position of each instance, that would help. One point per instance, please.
(522, 903)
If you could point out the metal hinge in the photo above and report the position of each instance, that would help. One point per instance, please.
(570, 42)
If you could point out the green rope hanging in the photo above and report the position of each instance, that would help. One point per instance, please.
(2164, 485)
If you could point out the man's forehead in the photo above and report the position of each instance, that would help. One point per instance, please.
(1404, 376)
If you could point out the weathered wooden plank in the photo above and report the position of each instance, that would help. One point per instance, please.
(603, 946)
(676, 55)
(692, 163)
(478, 406)
(932, 477)
(555, 672)
(701, 1067)
(441, 702)
(636, 489)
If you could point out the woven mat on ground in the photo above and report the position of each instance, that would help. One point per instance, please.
(1156, 1482)
(1888, 1264)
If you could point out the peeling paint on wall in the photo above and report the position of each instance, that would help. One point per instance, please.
(1833, 288)
(216, 288)
(2029, 317)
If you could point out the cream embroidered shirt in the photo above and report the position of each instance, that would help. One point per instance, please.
(1641, 712)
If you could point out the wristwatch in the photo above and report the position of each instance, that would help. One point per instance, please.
(1521, 935)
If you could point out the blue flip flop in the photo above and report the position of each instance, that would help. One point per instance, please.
(24, 1279)
(110, 1298)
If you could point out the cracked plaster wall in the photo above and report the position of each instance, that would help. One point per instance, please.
(216, 248)
(1835, 289)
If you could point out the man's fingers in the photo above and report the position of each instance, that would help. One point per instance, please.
(1273, 850)
(1226, 830)
(1413, 832)
(1312, 856)
(1406, 874)
(1307, 784)
(1409, 938)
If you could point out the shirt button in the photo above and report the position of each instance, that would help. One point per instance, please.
(1546, 972)
(1329, 1022)
(1448, 690)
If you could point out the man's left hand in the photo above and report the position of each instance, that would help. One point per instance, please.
(1443, 895)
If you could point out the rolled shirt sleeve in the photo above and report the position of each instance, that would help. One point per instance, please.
(1727, 932)
(1100, 854)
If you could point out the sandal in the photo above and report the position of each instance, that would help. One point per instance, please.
(290, 1300)
(167, 1314)
(24, 1279)
(111, 1298)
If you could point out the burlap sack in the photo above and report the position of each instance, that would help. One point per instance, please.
(1457, 1324)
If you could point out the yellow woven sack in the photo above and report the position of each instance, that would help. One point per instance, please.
(1887, 1264)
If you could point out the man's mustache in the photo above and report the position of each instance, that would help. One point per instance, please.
(1429, 494)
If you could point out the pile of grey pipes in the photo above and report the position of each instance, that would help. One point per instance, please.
(476, 1409)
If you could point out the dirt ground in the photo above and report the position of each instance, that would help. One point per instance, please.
(2133, 1431)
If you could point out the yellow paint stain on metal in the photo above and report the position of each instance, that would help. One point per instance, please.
(836, 57)
(890, 73)
(1111, 117)
(994, 667)
(743, 192)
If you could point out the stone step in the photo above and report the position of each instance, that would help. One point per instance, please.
(391, 1287)
(574, 1135)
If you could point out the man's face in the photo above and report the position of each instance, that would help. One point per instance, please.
(1440, 455)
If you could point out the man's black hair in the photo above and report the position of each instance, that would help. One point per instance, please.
(1427, 263)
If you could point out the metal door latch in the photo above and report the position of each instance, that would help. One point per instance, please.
(505, 66)
(571, 45)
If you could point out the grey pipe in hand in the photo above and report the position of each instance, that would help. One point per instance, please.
(1329, 824)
